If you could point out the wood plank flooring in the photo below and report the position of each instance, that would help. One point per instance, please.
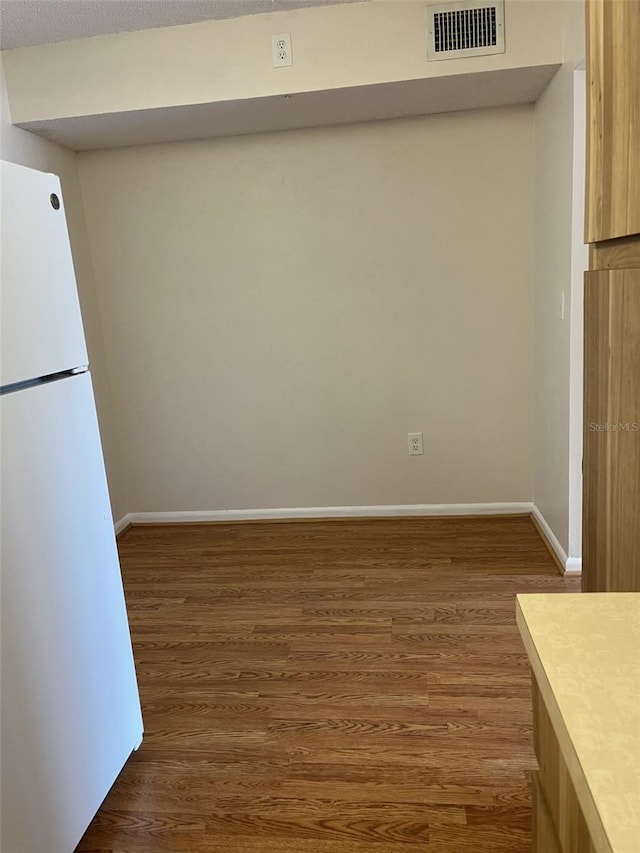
(329, 687)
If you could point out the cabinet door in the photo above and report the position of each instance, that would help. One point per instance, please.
(611, 527)
(613, 119)
(545, 839)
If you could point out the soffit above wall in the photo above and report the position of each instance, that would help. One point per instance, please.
(352, 62)
(24, 23)
(308, 109)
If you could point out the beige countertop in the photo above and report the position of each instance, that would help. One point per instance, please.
(585, 653)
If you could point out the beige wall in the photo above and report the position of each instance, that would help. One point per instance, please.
(17, 146)
(558, 376)
(554, 178)
(280, 310)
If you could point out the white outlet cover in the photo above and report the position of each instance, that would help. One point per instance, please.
(281, 50)
(414, 440)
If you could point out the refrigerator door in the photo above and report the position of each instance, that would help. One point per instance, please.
(70, 712)
(40, 324)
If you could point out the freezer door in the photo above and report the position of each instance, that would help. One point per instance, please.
(70, 713)
(40, 322)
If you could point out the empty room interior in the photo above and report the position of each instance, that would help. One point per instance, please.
(370, 435)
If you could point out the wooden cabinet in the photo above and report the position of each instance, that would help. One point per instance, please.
(545, 839)
(612, 431)
(613, 119)
(559, 823)
(584, 652)
(611, 463)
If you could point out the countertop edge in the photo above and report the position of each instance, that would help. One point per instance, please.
(590, 811)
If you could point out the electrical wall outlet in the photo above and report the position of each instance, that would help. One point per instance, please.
(281, 50)
(415, 444)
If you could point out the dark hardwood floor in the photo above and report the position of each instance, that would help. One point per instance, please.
(323, 687)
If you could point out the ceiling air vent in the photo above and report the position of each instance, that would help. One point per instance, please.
(465, 29)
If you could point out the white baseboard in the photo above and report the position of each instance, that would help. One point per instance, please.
(122, 523)
(570, 565)
(573, 566)
(392, 510)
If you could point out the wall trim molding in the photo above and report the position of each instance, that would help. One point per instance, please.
(292, 513)
(566, 565)
(122, 523)
(573, 566)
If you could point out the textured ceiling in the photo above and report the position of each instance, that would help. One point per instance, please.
(30, 22)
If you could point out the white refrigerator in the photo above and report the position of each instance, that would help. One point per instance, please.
(70, 711)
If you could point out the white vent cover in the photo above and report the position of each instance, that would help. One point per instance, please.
(465, 29)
